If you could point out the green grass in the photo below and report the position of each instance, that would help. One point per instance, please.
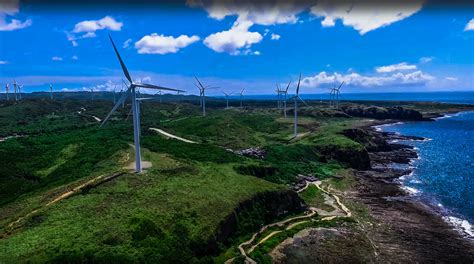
(315, 198)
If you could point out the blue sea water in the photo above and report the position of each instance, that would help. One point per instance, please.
(444, 173)
(466, 97)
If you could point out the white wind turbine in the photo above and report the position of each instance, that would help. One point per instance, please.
(15, 87)
(202, 94)
(241, 96)
(19, 91)
(7, 88)
(51, 91)
(227, 98)
(285, 94)
(131, 91)
(297, 97)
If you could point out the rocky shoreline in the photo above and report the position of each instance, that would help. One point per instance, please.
(406, 229)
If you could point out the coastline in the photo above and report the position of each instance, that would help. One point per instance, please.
(458, 223)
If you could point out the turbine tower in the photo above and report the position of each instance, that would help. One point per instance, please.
(51, 91)
(19, 91)
(7, 88)
(241, 96)
(202, 94)
(92, 94)
(227, 98)
(285, 93)
(15, 87)
(131, 91)
(297, 97)
(338, 93)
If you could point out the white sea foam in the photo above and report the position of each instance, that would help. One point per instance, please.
(411, 190)
(415, 181)
(461, 225)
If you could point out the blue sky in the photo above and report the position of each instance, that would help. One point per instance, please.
(421, 46)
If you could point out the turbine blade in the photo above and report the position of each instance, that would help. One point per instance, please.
(303, 101)
(156, 87)
(200, 84)
(119, 102)
(340, 86)
(124, 68)
(298, 87)
(288, 86)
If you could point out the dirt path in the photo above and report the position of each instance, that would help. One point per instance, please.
(171, 135)
(88, 184)
(309, 214)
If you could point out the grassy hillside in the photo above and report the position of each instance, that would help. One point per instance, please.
(163, 214)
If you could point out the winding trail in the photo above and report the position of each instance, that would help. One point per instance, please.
(309, 214)
(171, 135)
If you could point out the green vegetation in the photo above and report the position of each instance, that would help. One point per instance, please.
(315, 197)
(171, 212)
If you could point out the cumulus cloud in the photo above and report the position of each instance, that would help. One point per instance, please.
(356, 79)
(257, 12)
(11, 8)
(275, 36)
(234, 41)
(395, 67)
(56, 58)
(469, 25)
(74, 57)
(364, 16)
(88, 28)
(160, 44)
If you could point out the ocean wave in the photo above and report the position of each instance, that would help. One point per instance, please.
(461, 225)
(411, 190)
(379, 127)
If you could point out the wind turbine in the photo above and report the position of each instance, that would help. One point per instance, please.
(7, 88)
(285, 92)
(131, 91)
(15, 87)
(241, 96)
(297, 97)
(278, 92)
(202, 94)
(227, 98)
(338, 93)
(51, 91)
(92, 94)
(19, 91)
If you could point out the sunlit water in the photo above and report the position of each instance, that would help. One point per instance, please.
(444, 173)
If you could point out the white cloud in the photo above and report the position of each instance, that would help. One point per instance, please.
(160, 44)
(93, 25)
(275, 36)
(74, 57)
(257, 12)
(232, 41)
(451, 78)
(56, 58)
(469, 25)
(426, 59)
(395, 67)
(256, 53)
(126, 43)
(3, 62)
(356, 79)
(11, 8)
(364, 16)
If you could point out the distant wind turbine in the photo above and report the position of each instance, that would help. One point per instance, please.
(131, 91)
(285, 92)
(227, 98)
(19, 91)
(92, 94)
(202, 94)
(297, 97)
(241, 96)
(51, 91)
(7, 88)
(15, 87)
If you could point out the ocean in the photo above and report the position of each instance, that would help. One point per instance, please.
(444, 173)
(466, 97)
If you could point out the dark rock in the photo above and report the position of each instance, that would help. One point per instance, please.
(376, 112)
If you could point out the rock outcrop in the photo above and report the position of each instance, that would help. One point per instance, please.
(376, 112)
